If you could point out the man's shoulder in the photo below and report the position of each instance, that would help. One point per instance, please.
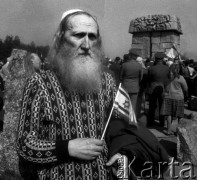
(154, 67)
(134, 63)
(159, 66)
(130, 63)
(45, 73)
(181, 78)
(40, 77)
(124, 64)
(166, 69)
(35, 77)
(107, 74)
(108, 78)
(115, 66)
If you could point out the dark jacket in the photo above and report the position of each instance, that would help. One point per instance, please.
(136, 141)
(131, 75)
(115, 68)
(158, 75)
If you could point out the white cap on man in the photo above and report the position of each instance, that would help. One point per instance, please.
(71, 11)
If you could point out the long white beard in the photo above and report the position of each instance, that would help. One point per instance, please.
(79, 73)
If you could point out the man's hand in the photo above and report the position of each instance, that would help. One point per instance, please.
(112, 160)
(85, 148)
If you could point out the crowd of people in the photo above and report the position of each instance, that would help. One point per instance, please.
(66, 105)
(167, 83)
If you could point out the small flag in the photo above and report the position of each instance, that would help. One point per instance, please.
(178, 54)
(123, 106)
(172, 53)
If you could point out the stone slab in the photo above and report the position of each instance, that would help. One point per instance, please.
(167, 45)
(187, 141)
(140, 38)
(170, 36)
(137, 46)
(155, 23)
(14, 85)
(156, 47)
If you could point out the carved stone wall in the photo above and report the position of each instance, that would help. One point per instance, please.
(155, 33)
(14, 85)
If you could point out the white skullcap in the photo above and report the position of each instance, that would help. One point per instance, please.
(66, 13)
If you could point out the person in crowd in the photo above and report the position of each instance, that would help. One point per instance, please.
(36, 61)
(65, 109)
(141, 61)
(177, 60)
(125, 58)
(143, 86)
(131, 75)
(169, 62)
(192, 69)
(115, 68)
(149, 62)
(173, 104)
(188, 73)
(191, 63)
(158, 76)
(165, 60)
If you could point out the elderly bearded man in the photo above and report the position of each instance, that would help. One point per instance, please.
(65, 108)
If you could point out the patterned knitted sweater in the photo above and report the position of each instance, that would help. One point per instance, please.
(51, 116)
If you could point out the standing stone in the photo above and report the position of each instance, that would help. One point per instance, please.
(155, 33)
(187, 141)
(14, 86)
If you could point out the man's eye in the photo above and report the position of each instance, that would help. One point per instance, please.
(80, 35)
(92, 36)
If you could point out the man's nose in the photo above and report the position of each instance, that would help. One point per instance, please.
(86, 43)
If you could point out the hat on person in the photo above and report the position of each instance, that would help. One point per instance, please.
(126, 57)
(71, 11)
(160, 55)
(134, 52)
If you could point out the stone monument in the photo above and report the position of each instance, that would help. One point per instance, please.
(155, 33)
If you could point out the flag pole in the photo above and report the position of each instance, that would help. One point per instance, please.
(102, 137)
(107, 123)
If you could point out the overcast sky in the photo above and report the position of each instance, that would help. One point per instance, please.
(37, 20)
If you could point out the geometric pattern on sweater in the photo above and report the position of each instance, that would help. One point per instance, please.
(50, 114)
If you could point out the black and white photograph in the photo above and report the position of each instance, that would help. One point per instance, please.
(98, 89)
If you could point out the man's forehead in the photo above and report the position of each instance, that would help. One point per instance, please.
(82, 20)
